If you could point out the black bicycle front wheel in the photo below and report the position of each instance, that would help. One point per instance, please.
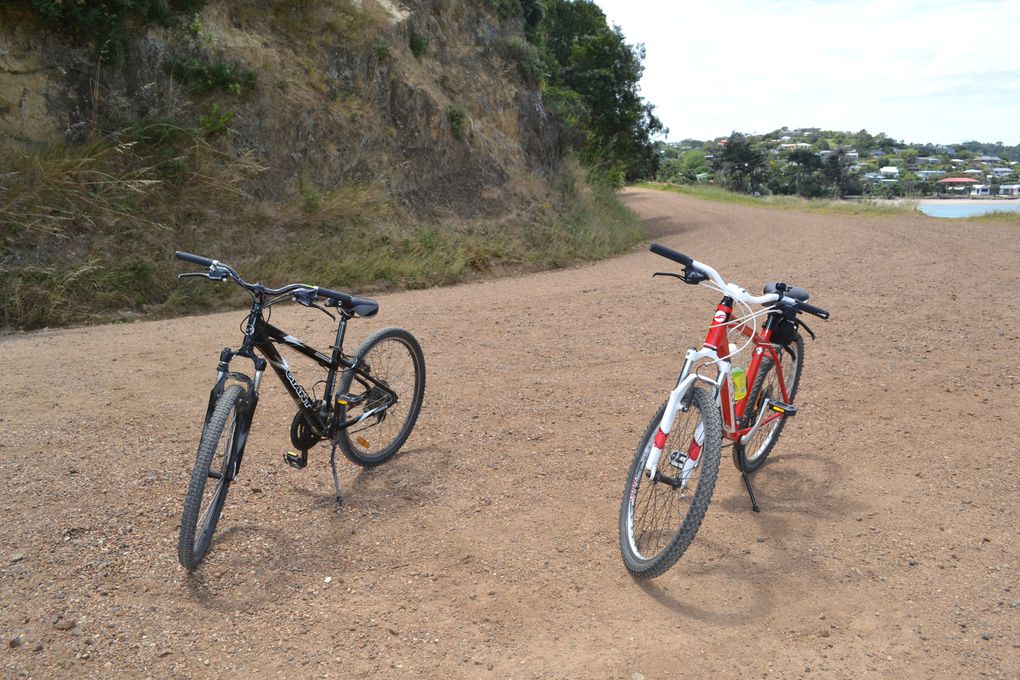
(752, 455)
(661, 514)
(394, 359)
(210, 479)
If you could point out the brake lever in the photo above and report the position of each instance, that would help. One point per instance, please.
(675, 276)
(189, 275)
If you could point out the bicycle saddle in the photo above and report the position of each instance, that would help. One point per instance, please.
(361, 306)
(790, 291)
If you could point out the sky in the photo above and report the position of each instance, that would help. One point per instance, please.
(940, 71)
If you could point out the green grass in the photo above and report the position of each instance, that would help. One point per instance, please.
(820, 206)
(997, 216)
(87, 233)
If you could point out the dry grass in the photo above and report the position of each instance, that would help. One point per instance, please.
(88, 232)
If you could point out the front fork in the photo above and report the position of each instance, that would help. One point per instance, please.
(677, 401)
(250, 401)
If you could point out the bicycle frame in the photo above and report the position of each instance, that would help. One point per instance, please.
(715, 349)
(262, 336)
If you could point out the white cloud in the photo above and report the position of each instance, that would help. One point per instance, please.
(931, 70)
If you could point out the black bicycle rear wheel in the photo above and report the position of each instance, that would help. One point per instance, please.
(660, 516)
(393, 357)
(210, 479)
(752, 455)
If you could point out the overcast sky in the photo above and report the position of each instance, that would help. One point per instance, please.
(942, 71)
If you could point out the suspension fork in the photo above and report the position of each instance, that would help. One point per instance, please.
(716, 348)
(677, 399)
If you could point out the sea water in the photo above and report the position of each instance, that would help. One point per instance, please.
(952, 209)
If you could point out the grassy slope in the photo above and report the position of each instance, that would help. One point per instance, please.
(87, 233)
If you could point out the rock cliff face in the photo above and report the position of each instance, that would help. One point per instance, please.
(419, 98)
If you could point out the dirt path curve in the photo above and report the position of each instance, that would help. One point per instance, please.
(887, 546)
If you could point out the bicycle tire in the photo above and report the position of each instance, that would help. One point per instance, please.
(641, 492)
(382, 353)
(752, 455)
(215, 459)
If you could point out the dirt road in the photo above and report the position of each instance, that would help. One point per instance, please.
(887, 546)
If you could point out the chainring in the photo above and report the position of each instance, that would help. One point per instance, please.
(302, 435)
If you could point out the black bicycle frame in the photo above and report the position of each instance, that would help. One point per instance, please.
(262, 336)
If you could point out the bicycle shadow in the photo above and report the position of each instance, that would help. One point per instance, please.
(224, 581)
(798, 483)
(413, 477)
(732, 573)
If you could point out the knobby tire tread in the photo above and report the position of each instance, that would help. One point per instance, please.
(712, 452)
(211, 435)
(343, 437)
(751, 465)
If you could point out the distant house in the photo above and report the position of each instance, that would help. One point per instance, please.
(928, 174)
(876, 153)
(973, 171)
(1009, 190)
(988, 159)
(890, 171)
(980, 190)
(1001, 172)
(873, 176)
(927, 160)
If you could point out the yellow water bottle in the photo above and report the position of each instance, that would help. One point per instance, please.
(739, 383)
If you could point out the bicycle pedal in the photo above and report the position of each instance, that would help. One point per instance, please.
(296, 461)
(350, 399)
(780, 407)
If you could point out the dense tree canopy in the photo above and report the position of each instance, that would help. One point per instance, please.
(591, 61)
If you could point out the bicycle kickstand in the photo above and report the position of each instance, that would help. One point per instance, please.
(750, 491)
(336, 480)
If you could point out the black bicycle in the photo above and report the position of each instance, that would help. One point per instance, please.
(368, 417)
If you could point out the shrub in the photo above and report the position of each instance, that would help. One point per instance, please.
(418, 43)
(457, 118)
(202, 78)
(109, 24)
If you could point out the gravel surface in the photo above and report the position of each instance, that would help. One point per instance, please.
(887, 545)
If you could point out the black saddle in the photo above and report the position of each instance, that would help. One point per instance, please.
(360, 306)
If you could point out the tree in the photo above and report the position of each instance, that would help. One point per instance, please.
(836, 170)
(584, 55)
(740, 164)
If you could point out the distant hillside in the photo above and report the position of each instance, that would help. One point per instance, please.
(814, 163)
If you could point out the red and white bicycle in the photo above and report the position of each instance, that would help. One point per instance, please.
(674, 471)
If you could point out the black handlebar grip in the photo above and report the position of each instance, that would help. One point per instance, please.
(811, 309)
(197, 259)
(671, 254)
(334, 295)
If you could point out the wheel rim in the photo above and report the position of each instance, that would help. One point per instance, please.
(392, 362)
(656, 511)
(770, 389)
(219, 474)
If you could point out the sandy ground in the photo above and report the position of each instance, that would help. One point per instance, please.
(887, 546)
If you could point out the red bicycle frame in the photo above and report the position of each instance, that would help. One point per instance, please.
(718, 340)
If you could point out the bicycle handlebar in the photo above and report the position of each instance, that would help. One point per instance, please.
(811, 309)
(195, 259)
(671, 254)
(217, 267)
(730, 289)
